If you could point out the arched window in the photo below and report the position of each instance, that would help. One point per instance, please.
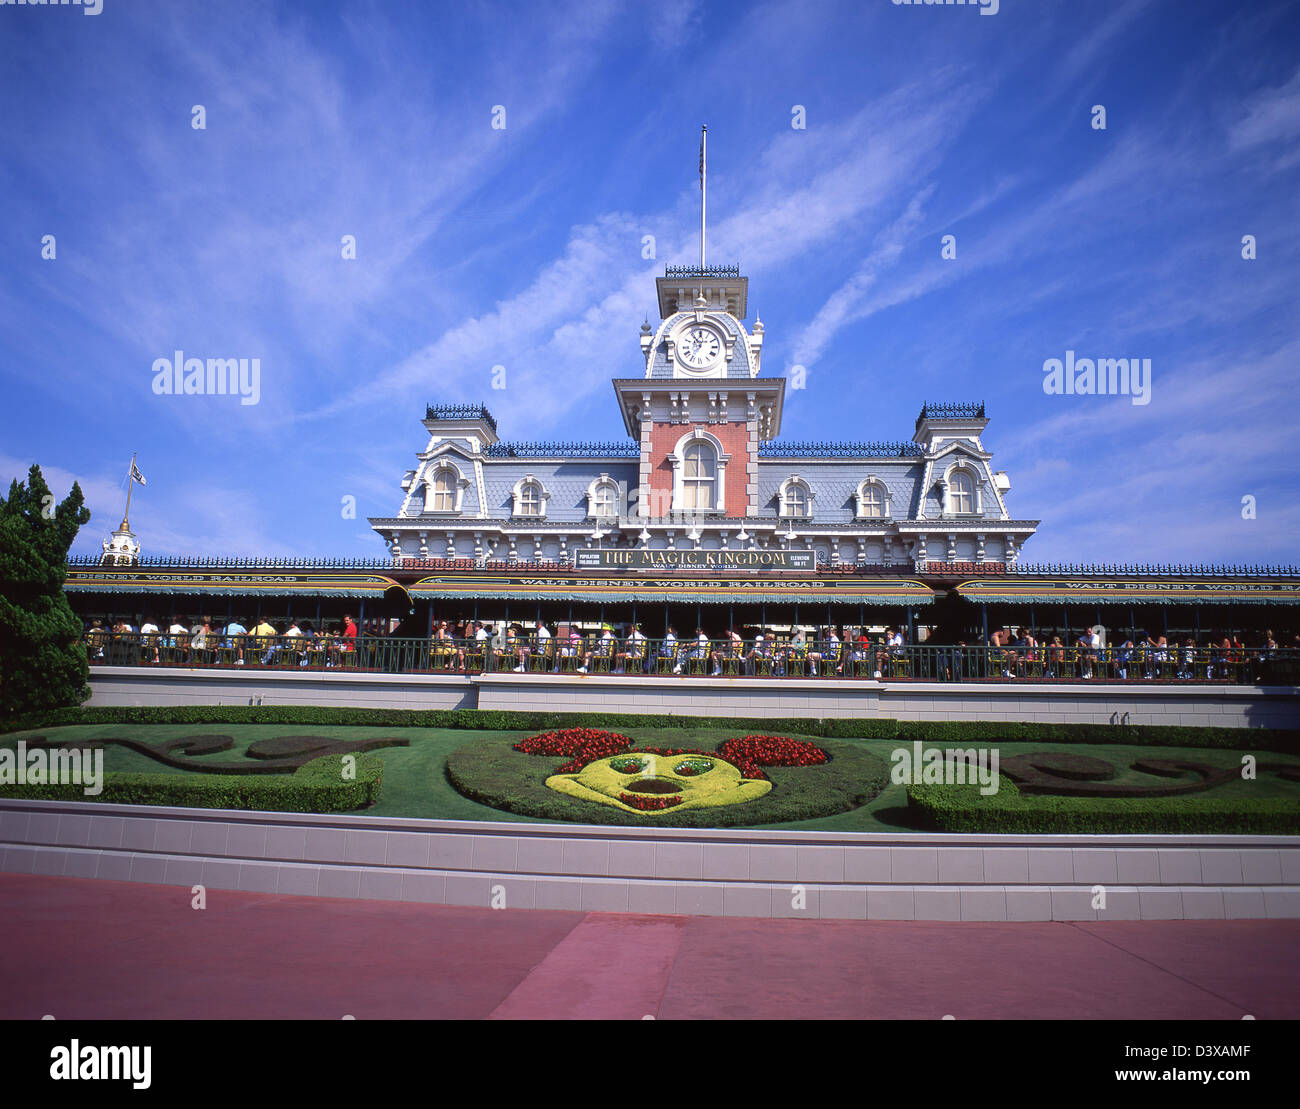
(961, 493)
(443, 488)
(873, 500)
(796, 498)
(602, 499)
(699, 476)
(699, 473)
(444, 492)
(530, 499)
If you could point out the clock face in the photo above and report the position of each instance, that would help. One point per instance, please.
(699, 346)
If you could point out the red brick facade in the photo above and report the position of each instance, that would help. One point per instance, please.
(734, 440)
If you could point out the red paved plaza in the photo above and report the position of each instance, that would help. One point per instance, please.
(91, 949)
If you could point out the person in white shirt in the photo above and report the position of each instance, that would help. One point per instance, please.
(177, 635)
(543, 639)
(148, 629)
(635, 649)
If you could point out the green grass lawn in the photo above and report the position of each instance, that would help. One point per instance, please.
(415, 784)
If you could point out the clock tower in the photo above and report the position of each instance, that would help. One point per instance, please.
(701, 410)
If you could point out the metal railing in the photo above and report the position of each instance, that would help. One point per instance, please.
(768, 657)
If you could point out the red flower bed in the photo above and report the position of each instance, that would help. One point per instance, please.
(648, 804)
(754, 751)
(579, 745)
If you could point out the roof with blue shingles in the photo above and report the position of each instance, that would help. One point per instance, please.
(835, 486)
(566, 482)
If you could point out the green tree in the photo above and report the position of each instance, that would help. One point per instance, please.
(42, 661)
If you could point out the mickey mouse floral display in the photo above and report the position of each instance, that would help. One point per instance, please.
(661, 779)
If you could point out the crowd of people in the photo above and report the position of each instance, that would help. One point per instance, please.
(826, 651)
(204, 642)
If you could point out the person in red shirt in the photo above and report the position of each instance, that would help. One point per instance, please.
(349, 633)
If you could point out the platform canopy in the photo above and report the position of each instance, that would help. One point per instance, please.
(232, 584)
(703, 589)
(1129, 591)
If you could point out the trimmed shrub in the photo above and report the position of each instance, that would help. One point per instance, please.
(962, 809)
(317, 787)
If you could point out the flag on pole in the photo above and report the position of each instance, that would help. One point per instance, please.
(703, 130)
(136, 475)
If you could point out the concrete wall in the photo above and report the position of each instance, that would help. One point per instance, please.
(1068, 703)
(709, 873)
(135, 685)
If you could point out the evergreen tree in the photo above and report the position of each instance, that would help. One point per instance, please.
(42, 660)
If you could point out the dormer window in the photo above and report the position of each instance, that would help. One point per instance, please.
(796, 498)
(873, 500)
(602, 499)
(443, 489)
(444, 492)
(963, 495)
(530, 498)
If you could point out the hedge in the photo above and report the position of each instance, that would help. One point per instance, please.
(1253, 739)
(958, 808)
(317, 787)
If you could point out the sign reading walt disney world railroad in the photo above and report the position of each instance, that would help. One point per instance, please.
(638, 559)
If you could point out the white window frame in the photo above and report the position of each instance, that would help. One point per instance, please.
(459, 483)
(593, 492)
(517, 494)
(949, 503)
(792, 482)
(886, 499)
(678, 460)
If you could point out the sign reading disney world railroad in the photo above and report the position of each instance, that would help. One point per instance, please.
(638, 559)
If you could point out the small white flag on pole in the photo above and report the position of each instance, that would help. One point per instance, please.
(136, 475)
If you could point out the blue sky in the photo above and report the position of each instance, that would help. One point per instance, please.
(522, 247)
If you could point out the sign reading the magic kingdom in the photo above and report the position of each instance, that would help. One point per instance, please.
(639, 559)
